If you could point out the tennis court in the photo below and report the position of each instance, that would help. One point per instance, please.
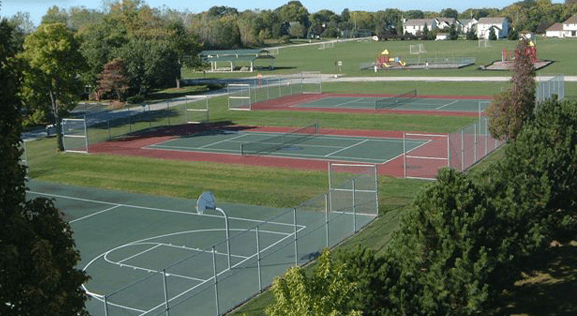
(147, 255)
(407, 102)
(304, 143)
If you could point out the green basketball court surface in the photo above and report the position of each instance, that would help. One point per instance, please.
(146, 254)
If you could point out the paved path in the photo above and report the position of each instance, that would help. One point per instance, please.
(331, 78)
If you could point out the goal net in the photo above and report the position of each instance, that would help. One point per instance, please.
(196, 109)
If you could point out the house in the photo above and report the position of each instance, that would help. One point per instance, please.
(555, 30)
(445, 23)
(565, 29)
(468, 24)
(416, 26)
(499, 25)
(570, 27)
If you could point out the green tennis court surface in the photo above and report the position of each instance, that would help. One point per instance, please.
(318, 146)
(416, 104)
(147, 253)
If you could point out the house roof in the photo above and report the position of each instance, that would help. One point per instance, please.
(555, 28)
(419, 22)
(499, 20)
(447, 20)
(571, 20)
(467, 21)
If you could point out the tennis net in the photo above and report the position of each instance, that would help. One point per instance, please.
(391, 102)
(278, 142)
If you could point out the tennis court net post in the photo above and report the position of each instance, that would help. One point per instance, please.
(397, 100)
(275, 143)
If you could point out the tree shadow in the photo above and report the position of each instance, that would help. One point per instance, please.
(548, 285)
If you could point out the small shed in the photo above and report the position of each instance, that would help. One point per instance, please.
(234, 58)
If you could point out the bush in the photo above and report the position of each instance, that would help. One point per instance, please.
(135, 99)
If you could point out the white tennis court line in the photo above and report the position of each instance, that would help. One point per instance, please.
(348, 147)
(223, 141)
(350, 101)
(442, 106)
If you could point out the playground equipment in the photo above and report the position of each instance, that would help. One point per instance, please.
(530, 51)
(384, 60)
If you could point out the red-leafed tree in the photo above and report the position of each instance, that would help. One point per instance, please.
(114, 79)
(512, 107)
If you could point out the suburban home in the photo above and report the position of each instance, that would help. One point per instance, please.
(445, 23)
(555, 30)
(499, 25)
(565, 29)
(570, 27)
(468, 24)
(416, 26)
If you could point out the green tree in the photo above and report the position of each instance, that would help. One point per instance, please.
(325, 293)
(492, 35)
(512, 107)
(53, 63)
(446, 246)
(37, 255)
(449, 13)
(472, 33)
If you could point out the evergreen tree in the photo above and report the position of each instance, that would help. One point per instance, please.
(492, 35)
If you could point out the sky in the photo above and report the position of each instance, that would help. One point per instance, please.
(37, 8)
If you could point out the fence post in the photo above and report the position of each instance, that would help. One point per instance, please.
(296, 238)
(404, 155)
(165, 293)
(168, 111)
(475, 141)
(258, 260)
(462, 150)
(105, 301)
(354, 208)
(215, 279)
(449, 150)
(327, 219)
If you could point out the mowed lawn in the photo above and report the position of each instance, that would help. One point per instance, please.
(292, 59)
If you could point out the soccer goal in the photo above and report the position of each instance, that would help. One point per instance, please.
(239, 97)
(311, 82)
(484, 42)
(417, 49)
(196, 109)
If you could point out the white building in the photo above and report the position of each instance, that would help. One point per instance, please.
(499, 25)
(565, 29)
(415, 26)
(570, 27)
(555, 30)
(445, 24)
(468, 24)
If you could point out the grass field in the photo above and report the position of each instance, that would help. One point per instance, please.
(290, 59)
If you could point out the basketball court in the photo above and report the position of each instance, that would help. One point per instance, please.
(148, 254)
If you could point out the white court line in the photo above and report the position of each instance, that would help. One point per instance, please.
(447, 104)
(218, 274)
(90, 215)
(224, 140)
(351, 146)
(163, 210)
(351, 101)
(138, 254)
